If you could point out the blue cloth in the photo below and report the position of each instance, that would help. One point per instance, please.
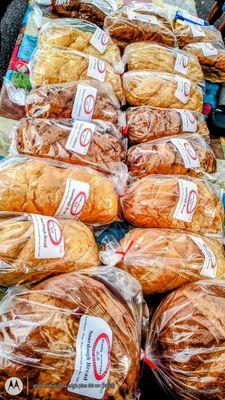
(211, 94)
(116, 230)
(27, 47)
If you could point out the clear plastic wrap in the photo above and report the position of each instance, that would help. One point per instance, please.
(212, 60)
(50, 188)
(73, 336)
(186, 338)
(12, 101)
(90, 10)
(82, 36)
(162, 259)
(138, 22)
(147, 88)
(181, 155)
(55, 64)
(33, 247)
(186, 33)
(73, 99)
(148, 123)
(96, 144)
(173, 202)
(155, 57)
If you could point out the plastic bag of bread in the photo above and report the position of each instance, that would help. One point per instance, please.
(78, 100)
(75, 336)
(144, 123)
(173, 201)
(185, 347)
(155, 89)
(187, 32)
(12, 101)
(162, 259)
(82, 36)
(90, 10)
(137, 22)
(34, 246)
(182, 155)
(155, 57)
(96, 144)
(212, 60)
(55, 189)
(55, 64)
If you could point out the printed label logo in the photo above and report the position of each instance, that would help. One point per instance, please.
(192, 201)
(80, 137)
(54, 232)
(13, 386)
(84, 102)
(100, 365)
(190, 150)
(78, 204)
(188, 121)
(89, 102)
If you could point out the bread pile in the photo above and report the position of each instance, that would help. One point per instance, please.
(112, 165)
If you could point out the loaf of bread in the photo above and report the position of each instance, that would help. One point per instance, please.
(155, 57)
(186, 33)
(55, 64)
(63, 101)
(96, 144)
(148, 123)
(173, 201)
(19, 241)
(187, 339)
(79, 35)
(88, 10)
(148, 88)
(93, 316)
(140, 22)
(183, 155)
(212, 60)
(40, 187)
(162, 259)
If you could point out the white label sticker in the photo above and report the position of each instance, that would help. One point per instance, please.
(210, 265)
(207, 49)
(92, 364)
(196, 31)
(100, 40)
(181, 64)
(188, 121)
(188, 199)
(83, 106)
(49, 242)
(74, 199)
(187, 152)
(183, 89)
(80, 137)
(96, 68)
(136, 16)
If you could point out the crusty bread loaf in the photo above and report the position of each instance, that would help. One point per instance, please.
(55, 64)
(48, 138)
(155, 57)
(162, 259)
(186, 341)
(38, 187)
(44, 323)
(149, 123)
(147, 88)
(140, 22)
(183, 155)
(187, 32)
(172, 201)
(17, 250)
(212, 60)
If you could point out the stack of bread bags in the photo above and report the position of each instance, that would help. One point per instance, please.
(94, 91)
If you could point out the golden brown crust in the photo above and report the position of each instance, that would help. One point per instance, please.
(48, 138)
(147, 88)
(151, 203)
(163, 157)
(124, 27)
(38, 187)
(53, 65)
(187, 338)
(17, 249)
(184, 34)
(55, 308)
(152, 56)
(163, 260)
(148, 123)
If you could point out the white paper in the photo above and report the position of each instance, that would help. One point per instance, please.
(74, 199)
(80, 137)
(183, 89)
(210, 265)
(84, 103)
(187, 152)
(181, 63)
(96, 69)
(136, 16)
(197, 31)
(100, 40)
(188, 199)
(207, 49)
(188, 121)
